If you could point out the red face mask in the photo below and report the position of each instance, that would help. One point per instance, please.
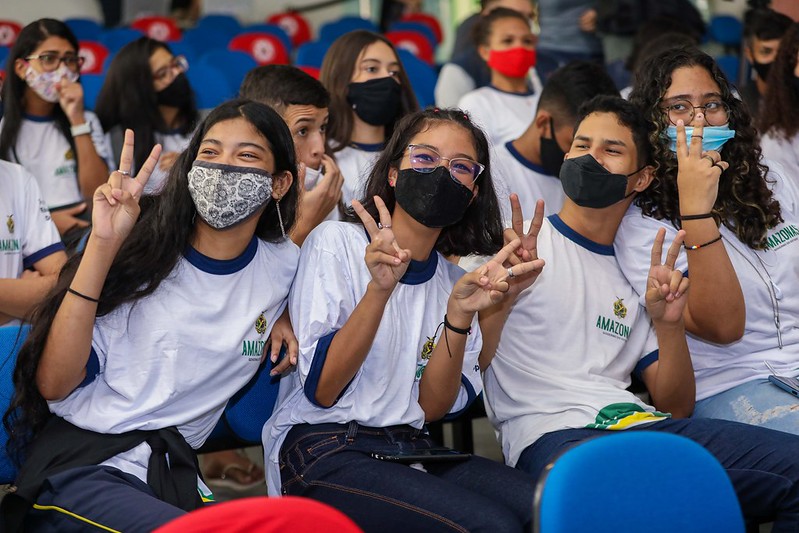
(513, 62)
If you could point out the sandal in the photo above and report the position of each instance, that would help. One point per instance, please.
(233, 477)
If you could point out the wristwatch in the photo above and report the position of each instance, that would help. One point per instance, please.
(81, 129)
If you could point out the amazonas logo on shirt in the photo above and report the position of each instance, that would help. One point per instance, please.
(612, 327)
(253, 348)
(780, 238)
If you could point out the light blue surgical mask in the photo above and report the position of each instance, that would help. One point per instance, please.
(713, 137)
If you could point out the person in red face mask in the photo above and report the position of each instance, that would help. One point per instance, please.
(507, 45)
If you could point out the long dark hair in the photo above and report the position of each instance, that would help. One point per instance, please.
(128, 98)
(14, 87)
(745, 203)
(480, 229)
(779, 113)
(148, 256)
(338, 67)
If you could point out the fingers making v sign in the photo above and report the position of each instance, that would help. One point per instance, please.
(528, 245)
(698, 171)
(386, 261)
(666, 287)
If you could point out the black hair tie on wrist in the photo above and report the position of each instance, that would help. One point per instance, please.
(462, 331)
(696, 217)
(81, 295)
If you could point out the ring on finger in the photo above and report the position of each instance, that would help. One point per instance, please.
(124, 172)
(721, 168)
(709, 158)
(510, 273)
(380, 225)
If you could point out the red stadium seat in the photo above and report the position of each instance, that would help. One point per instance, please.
(159, 28)
(429, 20)
(94, 55)
(266, 49)
(413, 42)
(9, 30)
(294, 24)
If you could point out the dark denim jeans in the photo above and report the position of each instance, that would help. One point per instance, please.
(332, 463)
(763, 464)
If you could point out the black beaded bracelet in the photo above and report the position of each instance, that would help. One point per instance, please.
(698, 246)
(466, 331)
(696, 217)
(81, 295)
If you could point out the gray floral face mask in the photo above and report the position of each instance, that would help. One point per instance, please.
(225, 195)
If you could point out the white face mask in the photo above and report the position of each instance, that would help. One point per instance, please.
(44, 83)
(312, 177)
(226, 194)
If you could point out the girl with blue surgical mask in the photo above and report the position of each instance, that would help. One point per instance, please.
(740, 214)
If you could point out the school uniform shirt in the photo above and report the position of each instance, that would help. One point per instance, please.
(769, 280)
(569, 346)
(332, 279)
(784, 152)
(170, 142)
(44, 151)
(355, 163)
(513, 173)
(27, 234)
(175, 357)
(503, 116)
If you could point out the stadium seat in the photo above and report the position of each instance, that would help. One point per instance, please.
(11, 339)
(85, 29)
(211, 86)
(4, 51)
(233, 65)
(264, 48)
(311, 54)
(218, 22)
(92, 83)
(295, 25)
(430, 21)
(272, 29)
(9, 30)
(631, 481)
(416, 27)
(726, 30)
(182, 48)
(414, 42)
(730, 65)
(94, 55)
(116, 38)
(158, 27)
(423, 77)
(203, 40)
(331, 31)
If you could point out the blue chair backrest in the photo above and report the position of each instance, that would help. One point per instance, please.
(311, 54)
(726, 30)
(333, 30)
(423, 77)
(92, 83)
(729, 65)
(271, 29)
(220, 22)
(4, 51)
(637, 481)
(418, 27)
(203, 41)
(11, 339)
(233, 64)
(182, 48)
(116, 38)
(85, 29)
(210, 85)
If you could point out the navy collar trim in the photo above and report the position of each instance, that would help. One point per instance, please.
(524, 161)
(418, 271)
(578, 239)
(221, 267)
(367, 147)
(529, 92)
(36, 118)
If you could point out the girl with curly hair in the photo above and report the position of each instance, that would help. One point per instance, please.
(742, 237)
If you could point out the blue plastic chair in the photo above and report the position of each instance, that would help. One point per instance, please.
(637, 481)
(4, 51)
(92, 83)
(219, 22)
(182, 48)
(335, 29)
(730, 65)
(85, 29)
(419, 27)
(727, 30)
(116, 38)
(11, 339)
(423, 77)
(234, 65)
(210, 85)
(205, 40)
(311, 54)
(271, 29)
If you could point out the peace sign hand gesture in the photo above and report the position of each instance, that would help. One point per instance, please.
(386, 261)
(116, 203)
(698, 172)
(528, 249)
(666, 287)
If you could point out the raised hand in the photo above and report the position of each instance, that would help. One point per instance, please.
(386, 261)
(282, 334)
(666, 287)
(320, 200)
(70, 98)
(698, 172)
(528, 249)
(116, 203)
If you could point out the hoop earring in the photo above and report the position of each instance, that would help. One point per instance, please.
(280, 218)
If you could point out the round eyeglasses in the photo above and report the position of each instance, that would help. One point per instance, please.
(169, 72)
(50, 62)
(426, 159)
(717, 113)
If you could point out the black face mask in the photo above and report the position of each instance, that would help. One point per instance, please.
(376, 102)
(551, 154)
(177, 93)
(434, 200)
(589, 184)
(761, 69)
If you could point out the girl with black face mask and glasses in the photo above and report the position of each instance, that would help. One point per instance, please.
(369, 92)
(154, 327)
(389, 340)
(146, 90)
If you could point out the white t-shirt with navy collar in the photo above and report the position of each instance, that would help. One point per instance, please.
(44, 151)
(569, 347)
(355, 163)
(331, 280)
(722, 367)
(513, 173)
(175, 357)
(502, 115)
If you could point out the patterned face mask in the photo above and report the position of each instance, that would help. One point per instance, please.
(225, 195)
(44, 83)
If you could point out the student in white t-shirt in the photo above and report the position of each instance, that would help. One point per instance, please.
(743, 216)
(571, 341)
(389, 341)
(31, 251)
(369, 92)
(530, 164)
(45, 127)
(146, 90)
(505, 108)
(303, 102)
(150, 331)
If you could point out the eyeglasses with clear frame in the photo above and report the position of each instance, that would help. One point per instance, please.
(717, 113)
(51, 61)
(426, 159)
(169, 72)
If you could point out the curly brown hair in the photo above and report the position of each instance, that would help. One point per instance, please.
(779, 113)
(745, 204)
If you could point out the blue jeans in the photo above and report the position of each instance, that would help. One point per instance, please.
(332, 463)
(763, 464)
(758, 402)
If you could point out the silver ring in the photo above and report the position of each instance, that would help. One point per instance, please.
(124, 172)
(381, 226)
(510, 273)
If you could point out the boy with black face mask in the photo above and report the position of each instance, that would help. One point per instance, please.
(529, 165)
(763, 29)
(570, 341)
